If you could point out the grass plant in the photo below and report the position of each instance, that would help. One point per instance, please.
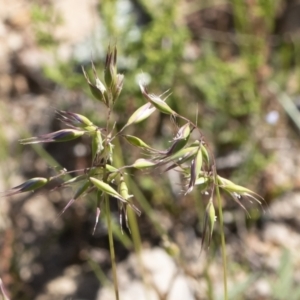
(188, 154)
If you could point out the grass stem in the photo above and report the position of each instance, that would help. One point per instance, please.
(223, 245)
(111, 246)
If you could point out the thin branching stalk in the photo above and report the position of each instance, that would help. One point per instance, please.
(210, 290)
(133, 224)
(138, 249)
(111, 246)
(110, 232)
(223, 245)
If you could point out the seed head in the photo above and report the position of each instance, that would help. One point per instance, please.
(157, 102)
(63, 135)
(142, 163)
(117, 88)
(231, 188)
(76, 121)
(141, 114)
(98, 89)
(196, 166)
(137, 142)
(238, 191)
(97, 145)
(180, 156)
(179, 141)
(106, 188)
(209, 221)
(27, 186)
(110, 72)
(205, 153)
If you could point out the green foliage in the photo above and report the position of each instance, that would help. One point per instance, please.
(284, 286)
(44, 18)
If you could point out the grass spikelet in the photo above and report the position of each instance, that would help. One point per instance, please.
(106, 188)
(208, 227)
(63, 135)
(236, 190)
(27, 186)
(98, 90)
(157, 102)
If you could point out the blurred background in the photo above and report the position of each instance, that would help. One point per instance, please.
(232, 65)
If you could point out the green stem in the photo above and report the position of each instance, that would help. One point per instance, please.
(222, 242)
(111, 246)
(138, 248)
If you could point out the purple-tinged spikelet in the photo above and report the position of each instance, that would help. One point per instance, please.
(27, 186)
(63, 135)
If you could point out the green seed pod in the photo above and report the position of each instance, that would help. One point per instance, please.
(123, 189)
(161, 105)
(97, 144)
(176, 146)
(141, 114)
(33, 184)
(113, 172)
(202, 182)
(110, 72)
(111, 168)
(180, 140)
(142, 163)
(209, 221)
(236, 191)
(107, 153)
(195, 144)
(27, 186)
(205, 153)
(100, 86)
(80, 120)
(198, 163)
(183, 132)
(116, 90)
(98, 90)
(196, 166)
(210, 210)
(183, 153)
(66, 135)
(177, 158)
(112, 176)
(106, 188)
(157, 102)
(97, 93)
(99, 170)
(231, 187)
(75, 120)
(135, 141)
